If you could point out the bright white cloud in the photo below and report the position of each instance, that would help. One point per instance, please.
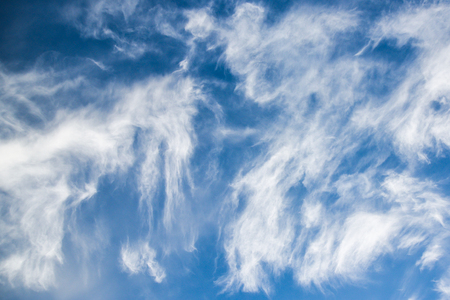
(141, 258)
(48, 170)
(326, 112)
(417, 112)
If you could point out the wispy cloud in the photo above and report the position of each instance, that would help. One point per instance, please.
(130, 24)
(327, 114)
(141, 258)
(48, 170)
(416, 112)
(348, 123)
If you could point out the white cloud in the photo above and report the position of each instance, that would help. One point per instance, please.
(128, 23)
(349, 242)
(48, 170)
(443, 287)
(94, 15)
(141, 258)
(367, 235)
(430, 256)
(200, 23)
(326, 113)
(416, 113)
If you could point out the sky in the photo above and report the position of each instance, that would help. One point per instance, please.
(224, 149)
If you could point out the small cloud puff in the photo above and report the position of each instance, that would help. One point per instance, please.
(141, 258)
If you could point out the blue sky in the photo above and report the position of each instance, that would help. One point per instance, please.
(224, 150)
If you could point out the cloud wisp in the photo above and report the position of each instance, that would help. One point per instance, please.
(52, 169)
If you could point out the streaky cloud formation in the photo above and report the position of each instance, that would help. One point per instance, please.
(290, 64)
(42, 167)
(422, 96)
(215, 149)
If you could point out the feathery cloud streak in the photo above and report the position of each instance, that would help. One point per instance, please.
(50, 170)
(327, 114)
